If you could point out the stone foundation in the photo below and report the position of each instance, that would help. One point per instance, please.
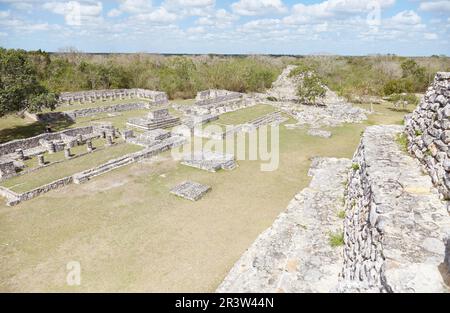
(190, 190)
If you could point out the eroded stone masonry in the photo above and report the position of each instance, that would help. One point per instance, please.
(428, 131)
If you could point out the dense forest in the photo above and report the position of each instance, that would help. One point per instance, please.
(31, 80)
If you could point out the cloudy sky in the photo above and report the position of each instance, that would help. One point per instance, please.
(350, 27)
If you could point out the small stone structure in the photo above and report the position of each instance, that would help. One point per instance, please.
(190, 190)
(210, 161)
(7, 169)
(428, 132)
(68, 98)
(41, 160)
(319, 133)
(155, 119)
(274, 118)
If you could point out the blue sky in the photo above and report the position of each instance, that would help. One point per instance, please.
(346, 27)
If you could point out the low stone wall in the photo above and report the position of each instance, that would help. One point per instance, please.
(67, 98)
(45, 188)
(107, 109)
(395, 223)
(33, 142)
(428, 132)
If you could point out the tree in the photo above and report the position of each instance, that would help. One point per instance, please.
(19, 86)
(311, 89)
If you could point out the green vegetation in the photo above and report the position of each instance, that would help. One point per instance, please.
(20, 88)
(341, 214)
(418, 132)
(336, 239)
(402, 141)
(311, 89)
(355, 166)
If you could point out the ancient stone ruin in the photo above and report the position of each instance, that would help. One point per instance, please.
(395, 234)
(428, 132)
(156, 97)
(155, 119)
(190, 190)
(210, 161)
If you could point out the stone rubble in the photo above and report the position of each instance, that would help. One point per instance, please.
(319, 133)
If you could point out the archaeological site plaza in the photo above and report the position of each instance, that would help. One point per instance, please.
(373, 219)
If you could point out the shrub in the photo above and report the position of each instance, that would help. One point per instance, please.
(355, 166)
(402, 141)
(311, 89)
(336, 239)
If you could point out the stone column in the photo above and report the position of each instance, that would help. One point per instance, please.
(20, 154)
(103, 134)
(80, 139)
(51, 147)
(113, 133)
(67, 153)
(109, 140)
(41, 160)
(89, 146)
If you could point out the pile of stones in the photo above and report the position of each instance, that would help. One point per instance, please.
(190, 190)
(274, 118)
(156, 119)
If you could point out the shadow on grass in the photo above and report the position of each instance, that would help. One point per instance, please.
(32, 129)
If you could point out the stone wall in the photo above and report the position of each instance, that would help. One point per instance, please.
(428, 132)
(395, 223)
(67, 98)
(212, 96)
(33, 142)
(74, 114)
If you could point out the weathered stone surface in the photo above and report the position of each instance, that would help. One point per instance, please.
(395, 222)
(429, 124)
(319, 133)
(190, 190)
(210, 161)
(294, 254)
(155, 119)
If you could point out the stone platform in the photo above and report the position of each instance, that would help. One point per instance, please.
(190, 190)
(294, 254)
(210, 161)
(155, 119)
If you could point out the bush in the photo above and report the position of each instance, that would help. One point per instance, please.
(336, 239)
(311, 89)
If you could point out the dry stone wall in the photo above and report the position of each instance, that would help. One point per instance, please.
(395, 225)
(428, 132)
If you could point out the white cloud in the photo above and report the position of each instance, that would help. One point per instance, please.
(114, 13)
(333, 9)
(406, 18)
(160, 15)
(435, 6)
(258, 7)
(220, 19)
(76, 13)
(135, 6)
(4, 14)
(430, 36)
(190, 7)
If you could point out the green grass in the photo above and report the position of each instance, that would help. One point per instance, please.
(336, 239)
(355, 166)
(402, 141)
(341, 214)
(53, 172)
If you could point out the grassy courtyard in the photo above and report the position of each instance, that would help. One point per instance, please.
(130, 234)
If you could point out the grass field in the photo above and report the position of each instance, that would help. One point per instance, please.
(130, 234)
